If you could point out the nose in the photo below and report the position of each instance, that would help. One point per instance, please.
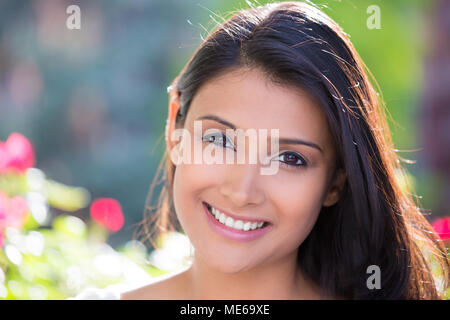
(242, 185)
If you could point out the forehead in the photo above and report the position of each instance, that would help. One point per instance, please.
(248, 99)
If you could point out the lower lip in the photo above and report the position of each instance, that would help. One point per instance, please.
(231, 233)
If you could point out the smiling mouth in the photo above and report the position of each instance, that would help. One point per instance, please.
(237, 224)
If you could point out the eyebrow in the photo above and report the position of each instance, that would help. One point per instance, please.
(281, 140)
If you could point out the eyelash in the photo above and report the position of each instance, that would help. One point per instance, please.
(289, 166)
(294, 166)
(215, 135)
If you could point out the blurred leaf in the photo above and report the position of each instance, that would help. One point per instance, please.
(30, 223)
(13, 183)
(70, 225)
(66, 198)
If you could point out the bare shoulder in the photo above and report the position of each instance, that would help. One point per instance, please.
(170, 287)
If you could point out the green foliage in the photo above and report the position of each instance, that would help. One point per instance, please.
(56, 257)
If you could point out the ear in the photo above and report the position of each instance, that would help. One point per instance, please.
(335, 188)
(174, 106)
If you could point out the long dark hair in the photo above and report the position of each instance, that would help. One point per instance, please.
(375, 222)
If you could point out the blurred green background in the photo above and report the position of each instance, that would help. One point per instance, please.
(94, 102)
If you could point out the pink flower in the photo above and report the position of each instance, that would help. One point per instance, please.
(16, 153)
(13, 212)
(107, 212)
(442, 228)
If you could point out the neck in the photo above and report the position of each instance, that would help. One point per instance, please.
(274, 281)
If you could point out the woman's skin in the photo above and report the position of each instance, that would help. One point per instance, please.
(264, 268)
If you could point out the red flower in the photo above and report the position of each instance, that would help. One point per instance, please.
(442, 227)
(13, 212)
(107, 212)
(16, 153)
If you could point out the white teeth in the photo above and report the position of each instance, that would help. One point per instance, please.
(238, 224)
(229, 222)
(216, 213)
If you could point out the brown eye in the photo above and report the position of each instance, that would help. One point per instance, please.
(292, 159)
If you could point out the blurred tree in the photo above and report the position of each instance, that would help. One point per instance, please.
(435, 110)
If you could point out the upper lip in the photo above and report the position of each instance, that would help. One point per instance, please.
(236, 217)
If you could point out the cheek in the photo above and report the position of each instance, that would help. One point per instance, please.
(299, 201)
(190, 182)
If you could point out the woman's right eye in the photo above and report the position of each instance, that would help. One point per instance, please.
(218, 138)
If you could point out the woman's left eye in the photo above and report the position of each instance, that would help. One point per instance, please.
(292, 159)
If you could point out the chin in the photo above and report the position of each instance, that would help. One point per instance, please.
(229, 266)
(232, 269)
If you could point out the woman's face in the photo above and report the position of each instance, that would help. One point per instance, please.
(288, 201)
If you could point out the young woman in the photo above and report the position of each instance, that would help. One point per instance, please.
(333, 217)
